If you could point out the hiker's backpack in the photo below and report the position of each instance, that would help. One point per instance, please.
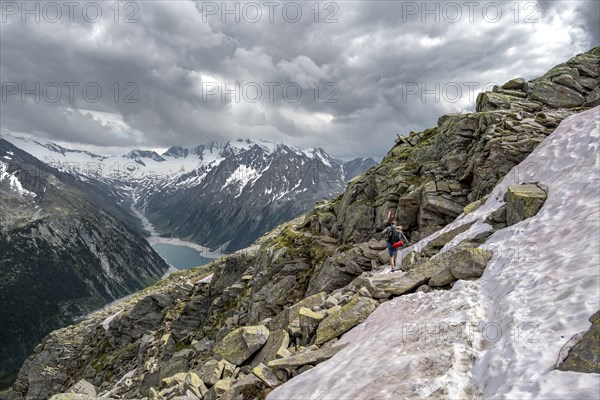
(393, 236)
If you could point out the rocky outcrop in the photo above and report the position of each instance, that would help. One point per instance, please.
(429, 177)
(461, 262)
(584, 355)
(523, 201)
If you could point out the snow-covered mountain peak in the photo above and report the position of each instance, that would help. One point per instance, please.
(136, 154)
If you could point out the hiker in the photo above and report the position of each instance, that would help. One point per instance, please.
(404, 244)
(394, 234)
(391, 233)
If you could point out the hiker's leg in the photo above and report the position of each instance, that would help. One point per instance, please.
(391, 252)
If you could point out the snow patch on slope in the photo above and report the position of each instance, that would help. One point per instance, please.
(241, 177)
(499, 336)
(13, 182)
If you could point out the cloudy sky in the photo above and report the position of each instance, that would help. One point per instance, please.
(343, 75)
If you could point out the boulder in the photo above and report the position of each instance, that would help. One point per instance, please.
(211, 372)
(593, 99)
(584, 356)
(276, 347)
(442, 278)
(194, 384)
(515, 84)
(348, 316)
(241, 343)
(462, 262)
(83, 387)
(174, 380)
(383, 286)
(341, 268)
(471, 207)
(309, 357)
(309, 321)
(284, 318)
(469, 263)
(248, 387)
(266, 374)
(523, 201)
(220, 389)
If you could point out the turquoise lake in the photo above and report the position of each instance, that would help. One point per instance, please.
(181, 257)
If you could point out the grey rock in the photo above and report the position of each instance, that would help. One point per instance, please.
(469, 263)
(347, 317)
(310, 357)
(584, 356)
(276, 347)
(442, 278)
(240, 344)
(83, 387)
(211, 372)
(523, 201)
(556, 96)
(266, 375)
(308, 321)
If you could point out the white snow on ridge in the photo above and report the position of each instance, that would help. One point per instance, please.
(13, 182)
(242, 176)
(499, 336)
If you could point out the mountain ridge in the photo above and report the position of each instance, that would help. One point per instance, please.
(214, 179)
(58, 238)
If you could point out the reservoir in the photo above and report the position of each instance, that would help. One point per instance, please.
(181, 257)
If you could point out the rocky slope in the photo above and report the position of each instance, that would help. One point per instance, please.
(245, 324)
(65, 251)
(217, 194)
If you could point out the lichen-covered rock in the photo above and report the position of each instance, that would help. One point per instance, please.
(74, 396)
(283, 319)
(471, 207)
(341, 268)
(276, 347)
(266, 375)
(240, 344)
(309, 321)
(211, 372)
(469, 263)
(556, 95)
(310, 357)
(442, 278)
(174, 380)
(220, 389)
(585, 355)
(348, 316)
(523, 201)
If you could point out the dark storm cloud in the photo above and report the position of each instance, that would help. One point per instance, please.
(373, 65)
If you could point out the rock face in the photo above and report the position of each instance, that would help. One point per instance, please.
(274, 311)
(585, 355)
(523, 201)
(428, 177)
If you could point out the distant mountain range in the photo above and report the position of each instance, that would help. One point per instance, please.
(65, 249)
(217, 194)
